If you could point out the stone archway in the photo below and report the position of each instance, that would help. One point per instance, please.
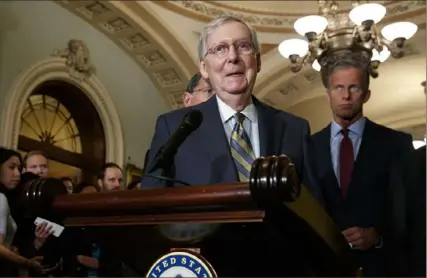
(54, 68)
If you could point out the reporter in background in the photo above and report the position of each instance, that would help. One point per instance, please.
(198, 91)
(10, 258)
(87, 254)
(110, 177)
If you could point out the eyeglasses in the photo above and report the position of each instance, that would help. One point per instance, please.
(206, 91)
(221, 49)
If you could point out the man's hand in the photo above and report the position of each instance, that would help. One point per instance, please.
(42, 232)
(88, 261)
(14, 249)
(35, 264)
(361, 238)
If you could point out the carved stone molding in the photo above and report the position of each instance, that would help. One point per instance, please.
(133, 26)
(161, 65)
(77, 59)
(262, 20)
(54, 68)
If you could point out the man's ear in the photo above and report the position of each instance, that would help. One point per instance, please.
(203, 71)
(187, 99)
(100, 184)
(367, 96)
(258, 61)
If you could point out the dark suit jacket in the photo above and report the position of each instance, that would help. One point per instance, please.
(415, 181)
(78, 241)
(365, 205)
(407, 221)
(205, 157)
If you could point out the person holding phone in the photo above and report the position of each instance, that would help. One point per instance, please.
(11, 262)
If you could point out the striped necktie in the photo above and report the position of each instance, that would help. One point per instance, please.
(241, 148)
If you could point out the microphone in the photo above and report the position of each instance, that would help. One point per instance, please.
(165, 155)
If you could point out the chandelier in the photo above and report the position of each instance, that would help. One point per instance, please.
(331, 32)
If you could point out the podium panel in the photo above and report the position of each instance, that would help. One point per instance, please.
(271, 226)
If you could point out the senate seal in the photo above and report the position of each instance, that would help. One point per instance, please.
(181, 264)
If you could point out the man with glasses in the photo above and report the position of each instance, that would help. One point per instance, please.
(237, 128)
(198, 91)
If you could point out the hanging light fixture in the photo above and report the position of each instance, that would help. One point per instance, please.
(330, 31)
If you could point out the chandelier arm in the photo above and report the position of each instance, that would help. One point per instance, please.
(356, 32)
(387, 43)
(373, 68)
(306, 57)
(340, 35)
(396, 48)
(319, 40)
(378, 45)
(297, 64)
(323, 38)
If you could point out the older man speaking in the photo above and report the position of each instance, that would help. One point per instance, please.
(229, 54)
(236, 129)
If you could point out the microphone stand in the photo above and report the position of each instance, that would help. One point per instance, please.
(167, 172)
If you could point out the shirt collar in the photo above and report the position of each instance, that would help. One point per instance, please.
(356, 127)
(226, 112)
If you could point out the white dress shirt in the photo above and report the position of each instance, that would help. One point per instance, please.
(250, 124)
(7, 224)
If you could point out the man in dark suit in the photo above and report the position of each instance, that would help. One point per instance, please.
(198, 91)
(237, 127)
(354, 159)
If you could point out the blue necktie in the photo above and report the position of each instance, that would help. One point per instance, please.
(241, 149)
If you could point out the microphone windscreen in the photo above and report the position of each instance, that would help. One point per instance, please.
(193, 119)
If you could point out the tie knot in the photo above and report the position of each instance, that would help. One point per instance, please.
(239, 117)
(345, 132)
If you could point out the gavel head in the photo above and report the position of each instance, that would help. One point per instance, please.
(274, 180)
(35, 195)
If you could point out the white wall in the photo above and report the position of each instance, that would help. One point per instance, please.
(30, 30)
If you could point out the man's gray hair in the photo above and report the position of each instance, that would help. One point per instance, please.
(215, 24)
(345, 59)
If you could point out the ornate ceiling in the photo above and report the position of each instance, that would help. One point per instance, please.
(162, 38)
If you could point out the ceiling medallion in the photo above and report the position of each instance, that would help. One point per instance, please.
(332, 32)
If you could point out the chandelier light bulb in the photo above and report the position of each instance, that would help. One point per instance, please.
(332, 32)
(369, 11)
(316, 66)
(381, 56)
(293, 47)
(312, 23)
(399, 30)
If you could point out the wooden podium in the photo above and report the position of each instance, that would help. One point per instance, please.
(268, 227)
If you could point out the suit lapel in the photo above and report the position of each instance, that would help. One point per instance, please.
(213, 141)
(270, 129)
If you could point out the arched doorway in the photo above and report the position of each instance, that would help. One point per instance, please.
(60, 120)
